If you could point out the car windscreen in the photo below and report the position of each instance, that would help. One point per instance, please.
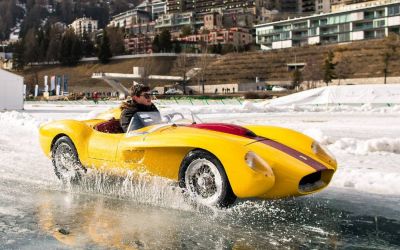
(144, 119)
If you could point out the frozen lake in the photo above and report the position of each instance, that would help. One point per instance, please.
(360, 208)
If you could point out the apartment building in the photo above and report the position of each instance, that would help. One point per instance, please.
(176, 21)
(369, 22)
(84, 25)
(155, 7)
(322, 6)
(130, 18)
(204, 6)
(140, 44)
(235, 36)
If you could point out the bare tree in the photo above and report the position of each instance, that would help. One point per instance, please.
(148, 63)
(344, 68)
(391, 43)
(182, 68)
(203, 64)
(312, 72)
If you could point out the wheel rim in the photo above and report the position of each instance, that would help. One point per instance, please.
(203, 181)
(66, 163)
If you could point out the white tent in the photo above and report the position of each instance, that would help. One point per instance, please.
(11, 91)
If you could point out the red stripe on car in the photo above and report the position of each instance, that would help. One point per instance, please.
(294, 153)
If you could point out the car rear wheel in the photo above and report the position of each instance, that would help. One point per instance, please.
(67, 166)
(205, 180)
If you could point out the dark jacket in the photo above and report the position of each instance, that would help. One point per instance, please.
(129, 109)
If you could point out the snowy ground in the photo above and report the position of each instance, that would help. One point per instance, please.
(365, 140)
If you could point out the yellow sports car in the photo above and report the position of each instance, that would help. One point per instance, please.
(214, 162)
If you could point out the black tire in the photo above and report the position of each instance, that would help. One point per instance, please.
(67, 166)
(205, 180)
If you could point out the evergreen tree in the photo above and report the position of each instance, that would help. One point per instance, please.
(87, 45)
(329, 68)
(104, 54)
(156, 44)
(297, 78)
(117, 44)
(71, 50)
(31, 47)
(165, 41)
(219, 48)
(18, 55)
(53, 49)
(177, 47)
(186, 31)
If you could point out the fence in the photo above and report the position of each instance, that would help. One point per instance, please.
(172, 101)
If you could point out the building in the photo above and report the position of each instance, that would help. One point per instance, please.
(158, 8)
(322, 6)
(212, 21)
(372, 21)
(11, 91)
(307, 6)
(344, 5)
(205, 6)
(140, 37)
(237, 18)
(130, 18)
(6, 61)
(155, 7)
(84, 25)
(139, 44)
(238, 37)
(176, 21)
(288, 6)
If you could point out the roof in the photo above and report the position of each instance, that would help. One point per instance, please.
(290, 20)
(9, 74)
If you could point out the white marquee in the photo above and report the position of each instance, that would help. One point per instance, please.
(11, 91)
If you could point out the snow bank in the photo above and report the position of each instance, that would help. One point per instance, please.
(21, 158)
(364, 165)
(350, 145)
(14, 119)
(377, 94)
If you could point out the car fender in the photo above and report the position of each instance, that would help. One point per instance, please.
(229, 149)
(292, 139)
(79, 132)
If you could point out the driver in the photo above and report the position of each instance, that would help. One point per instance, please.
(140, 102)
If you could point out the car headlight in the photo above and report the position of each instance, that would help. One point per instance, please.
(322, 151)
(258, 164)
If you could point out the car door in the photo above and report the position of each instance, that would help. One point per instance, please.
(103, 146)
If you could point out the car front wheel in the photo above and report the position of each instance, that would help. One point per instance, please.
(65, 160)
(205, 180)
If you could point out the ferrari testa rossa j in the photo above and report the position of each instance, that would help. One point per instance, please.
(215, 163)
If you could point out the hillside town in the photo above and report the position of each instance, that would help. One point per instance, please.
(67, 33)
(199, 124)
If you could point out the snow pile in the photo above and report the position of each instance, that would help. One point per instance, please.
(356, 146)
(364, 165)
(353, 146)
(371, 181)
(14, 119)
(388, 94)
(20, 153)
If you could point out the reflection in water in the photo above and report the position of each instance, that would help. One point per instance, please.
(99, 220)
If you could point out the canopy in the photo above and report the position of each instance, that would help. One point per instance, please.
(11, 91)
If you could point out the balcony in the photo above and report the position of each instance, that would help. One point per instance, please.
(364, 26)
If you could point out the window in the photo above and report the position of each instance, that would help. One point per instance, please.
(379, 23)
(394, 10)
